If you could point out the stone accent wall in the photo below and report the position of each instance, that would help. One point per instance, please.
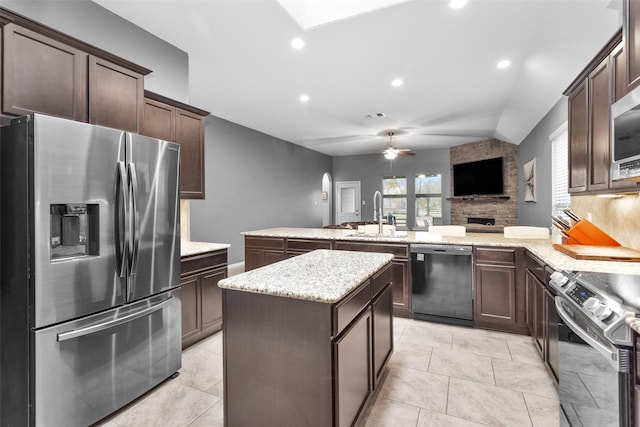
(505, 212)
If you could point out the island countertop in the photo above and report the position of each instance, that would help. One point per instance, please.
(322, 275)
(542, 248)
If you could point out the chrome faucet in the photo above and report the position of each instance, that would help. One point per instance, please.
(377, 209)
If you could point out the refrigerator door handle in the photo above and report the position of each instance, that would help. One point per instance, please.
(135, 218)
(77, 333)
(121, 220)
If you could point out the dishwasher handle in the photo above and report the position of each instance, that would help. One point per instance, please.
(441, 249)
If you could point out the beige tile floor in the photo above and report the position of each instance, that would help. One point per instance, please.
(439, 375)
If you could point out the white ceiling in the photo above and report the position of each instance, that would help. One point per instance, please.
(243, 69)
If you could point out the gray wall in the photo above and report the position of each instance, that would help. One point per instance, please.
(369, 170)
(255, 181)
(96, 25)
(538, 145)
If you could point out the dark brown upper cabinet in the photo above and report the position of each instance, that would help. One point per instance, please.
(599, 85)
(115, 95)
(631, 32)
(42, 75)
(171, 120)
(46, 71)
(599, 127)
(578, 136)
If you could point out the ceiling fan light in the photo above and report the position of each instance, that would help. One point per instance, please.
(390, 155)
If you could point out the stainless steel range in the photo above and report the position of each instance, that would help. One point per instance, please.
(595, 346)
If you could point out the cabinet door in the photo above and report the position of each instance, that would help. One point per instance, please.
(211, 301)
(619, 72)
(578, 138)
(553, 335)
(42, 75)
(495, 304)
(631, 34)
(158, 120)
(253, 258)
(353, 381)
(382, 309)
(190, 136)
(600, 128)
(116, 95)
(401, 288)
(541, 317)
(190, 297)
(530, 292)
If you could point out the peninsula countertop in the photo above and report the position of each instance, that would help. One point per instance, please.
(542, 248)
(322, 275)
(188, 248)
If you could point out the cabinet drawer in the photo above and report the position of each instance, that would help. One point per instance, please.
(400, 251)
(264, 242)
(347, 309)
(380, 280)
(300, 245)
(504, 256)
(197, 263)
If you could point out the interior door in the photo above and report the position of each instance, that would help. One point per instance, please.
(347, 201)
(74, 173)
(153, 169)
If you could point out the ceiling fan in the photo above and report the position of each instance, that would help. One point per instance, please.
(391, 152)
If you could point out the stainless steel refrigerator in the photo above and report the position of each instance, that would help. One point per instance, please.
(90, 270)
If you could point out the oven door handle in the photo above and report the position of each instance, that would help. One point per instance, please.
(610, 355)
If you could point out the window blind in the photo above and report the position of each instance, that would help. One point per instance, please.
(560, 170)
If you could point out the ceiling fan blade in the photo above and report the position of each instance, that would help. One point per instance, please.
(405, 153)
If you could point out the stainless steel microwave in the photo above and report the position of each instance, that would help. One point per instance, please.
(625, 141)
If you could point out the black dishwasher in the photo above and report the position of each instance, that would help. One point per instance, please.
(442, 283)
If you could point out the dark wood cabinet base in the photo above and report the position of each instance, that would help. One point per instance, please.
(291, 362)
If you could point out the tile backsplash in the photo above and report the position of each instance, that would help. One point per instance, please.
(620, 217)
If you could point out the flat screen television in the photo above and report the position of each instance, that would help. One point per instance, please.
(483, 177)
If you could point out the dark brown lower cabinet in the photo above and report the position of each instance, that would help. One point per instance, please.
(353, 365)
(500, 294)
(553, 336)
(261, 251)
(201, 297)
(291, 362)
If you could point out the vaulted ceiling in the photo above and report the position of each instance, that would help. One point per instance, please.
(243, 68)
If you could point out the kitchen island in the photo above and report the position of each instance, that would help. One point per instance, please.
(306, 340)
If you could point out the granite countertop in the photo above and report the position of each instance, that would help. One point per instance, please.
(542, 248)
(323, 275)
(195, 248)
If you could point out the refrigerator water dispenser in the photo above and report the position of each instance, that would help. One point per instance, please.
(74, 230)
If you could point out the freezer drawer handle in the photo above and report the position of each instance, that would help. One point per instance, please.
(63, 336)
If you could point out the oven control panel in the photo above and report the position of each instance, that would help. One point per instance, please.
(579, 294)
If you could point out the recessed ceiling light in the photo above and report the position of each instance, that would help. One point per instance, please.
(457, 4)
(297, 43)
(304, 98)
(504, 63)
(397, 82)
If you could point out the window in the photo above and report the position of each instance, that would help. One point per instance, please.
(428, 201)
(394, 198)
(560, 172)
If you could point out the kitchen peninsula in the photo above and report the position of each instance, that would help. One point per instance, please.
(306, 340)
